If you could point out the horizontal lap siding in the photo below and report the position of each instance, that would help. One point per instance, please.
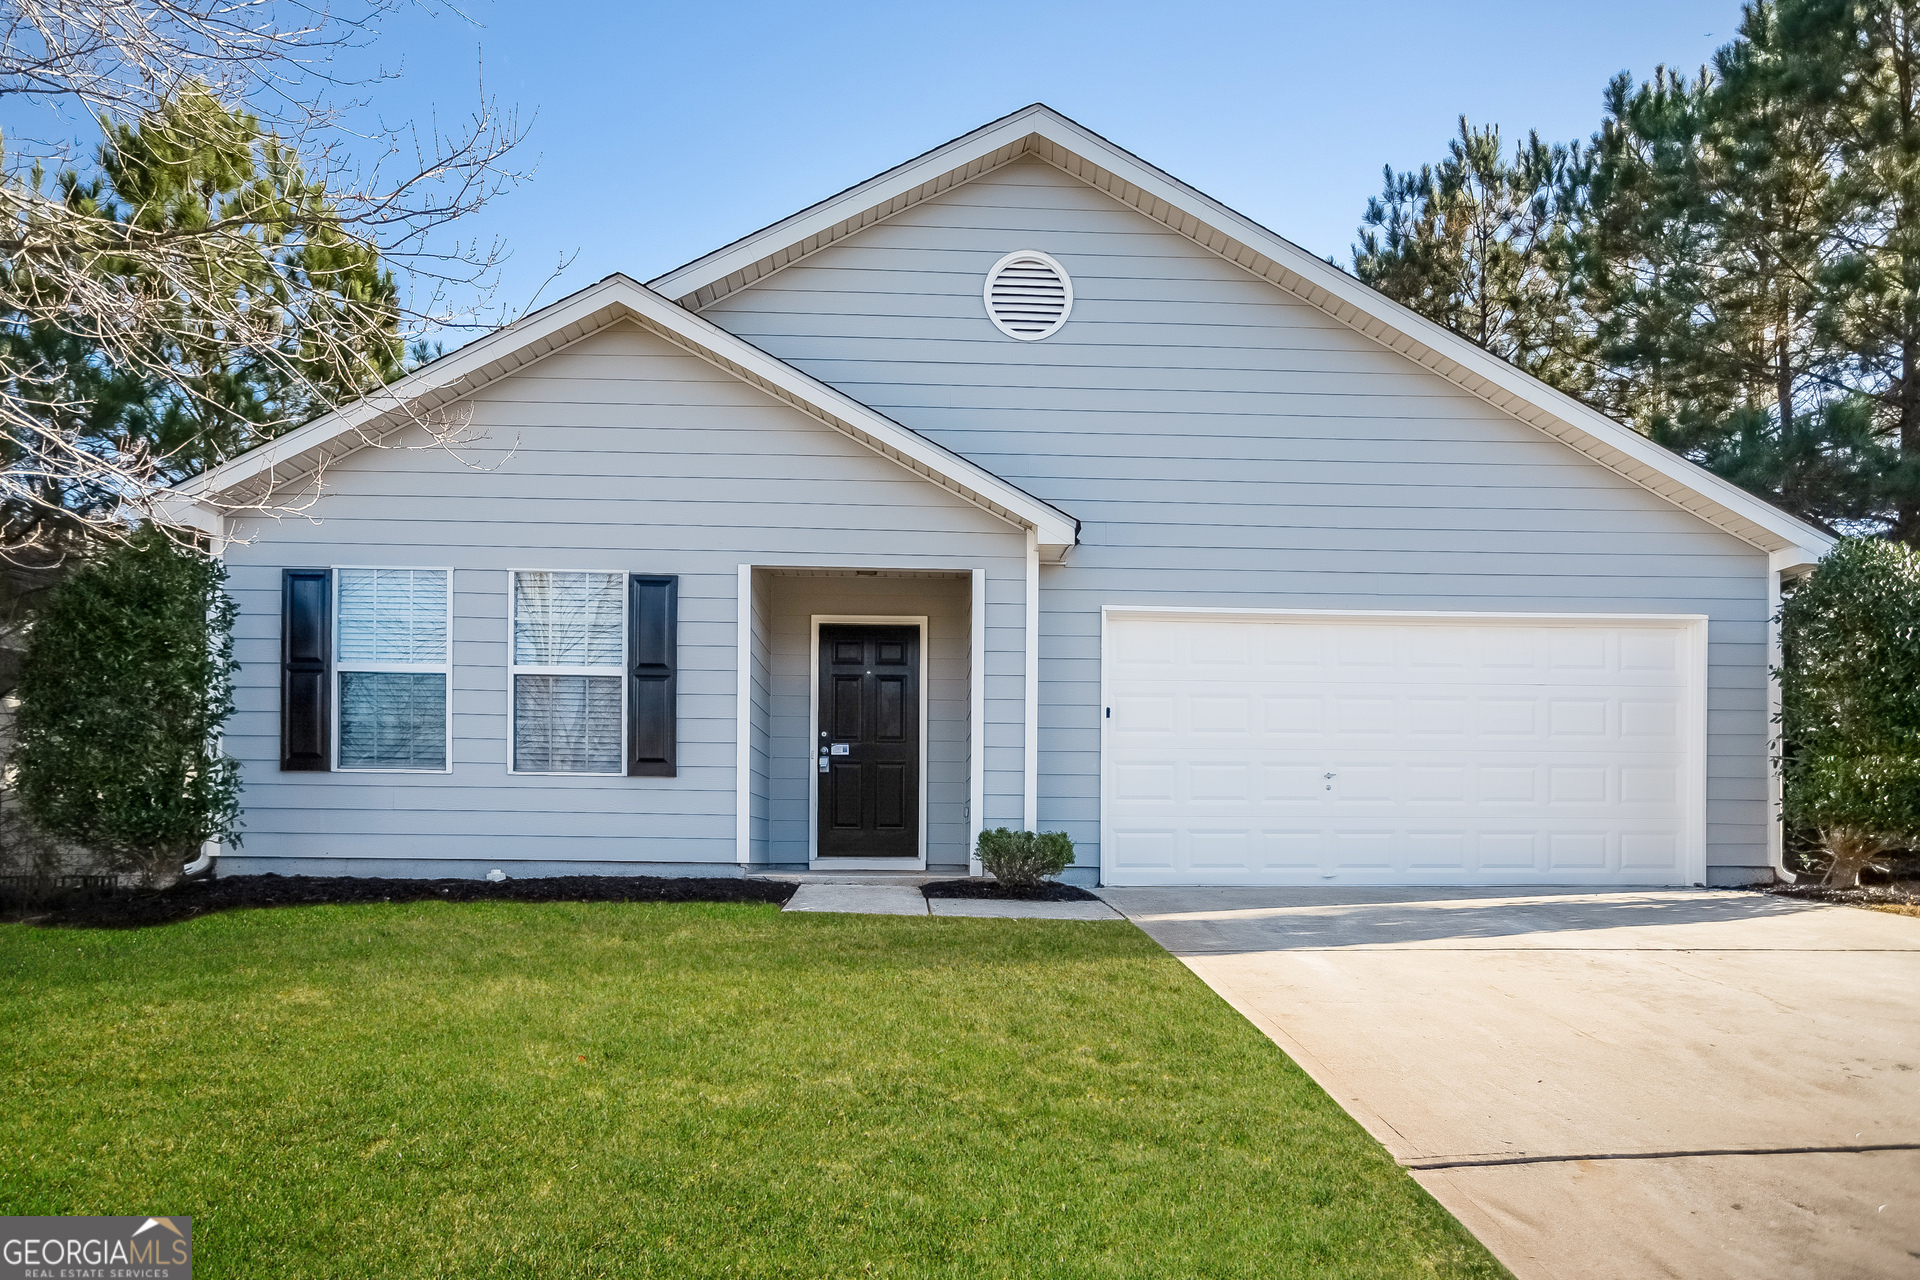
(616, 454)
(1225, 445)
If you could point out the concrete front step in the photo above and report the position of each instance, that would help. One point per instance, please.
(898, 899)
(860, 899)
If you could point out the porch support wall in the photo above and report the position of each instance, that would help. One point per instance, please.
(976, 673)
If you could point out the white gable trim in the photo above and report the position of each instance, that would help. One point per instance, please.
(1041, 132)
(300, 457)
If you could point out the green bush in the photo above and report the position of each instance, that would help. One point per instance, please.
(1022, 859)
(128, 677)
(1850, 703)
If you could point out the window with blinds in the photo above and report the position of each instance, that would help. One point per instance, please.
(568, 672)
(392, 661)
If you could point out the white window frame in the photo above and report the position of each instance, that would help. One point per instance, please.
(445, 667)
(515, 669)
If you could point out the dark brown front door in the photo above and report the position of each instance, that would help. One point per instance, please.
(867, 748)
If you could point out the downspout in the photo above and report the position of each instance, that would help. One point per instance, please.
(1782, 567)
(209, 850)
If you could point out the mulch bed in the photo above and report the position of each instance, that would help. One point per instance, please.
(1904, 894)
(133, 910)
(1051, 891)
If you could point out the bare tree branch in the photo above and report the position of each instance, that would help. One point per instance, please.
(240, 259)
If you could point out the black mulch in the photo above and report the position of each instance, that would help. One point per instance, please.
(1902, 894)
(1048, 891)
(133, 910)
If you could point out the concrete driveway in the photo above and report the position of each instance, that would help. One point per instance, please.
(1672, 1083)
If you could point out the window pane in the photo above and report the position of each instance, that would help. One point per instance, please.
(393, 720)
(566, 724)
(567, 620)
(393, 615)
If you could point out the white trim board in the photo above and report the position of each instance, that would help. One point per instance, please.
(976, 718)
(1030, 739)
(1040, 132)
(1692, 626)
(814, 860)
(743, 719)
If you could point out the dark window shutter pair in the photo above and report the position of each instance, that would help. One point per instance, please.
(306, 630)
(306, 637)
(653, 625)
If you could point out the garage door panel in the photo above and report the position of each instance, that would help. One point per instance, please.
(1436, 850)
(1290, 851)
(1280, 751)
(1224, 850)
(1649, 851)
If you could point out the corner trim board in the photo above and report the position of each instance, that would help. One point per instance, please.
(743, 719)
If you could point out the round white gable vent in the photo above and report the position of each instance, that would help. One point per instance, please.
(1028, 295)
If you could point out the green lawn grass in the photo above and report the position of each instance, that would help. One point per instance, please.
(618, 1090)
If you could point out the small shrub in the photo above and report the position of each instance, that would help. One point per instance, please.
(1022, 859)
(1850, 704)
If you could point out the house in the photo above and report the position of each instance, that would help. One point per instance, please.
(1021, 485)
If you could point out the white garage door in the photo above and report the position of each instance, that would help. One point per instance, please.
(1268, 749)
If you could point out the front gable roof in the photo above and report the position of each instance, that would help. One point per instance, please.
(248, 482)
(1039, 131)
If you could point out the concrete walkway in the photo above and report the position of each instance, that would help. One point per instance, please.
(1602, 1085)
(907, 900)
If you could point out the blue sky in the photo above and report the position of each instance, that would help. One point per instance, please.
(660, 131)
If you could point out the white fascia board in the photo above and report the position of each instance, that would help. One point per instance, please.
(1794, 561)
(1044, 133)
(184, 513)
(613, 299)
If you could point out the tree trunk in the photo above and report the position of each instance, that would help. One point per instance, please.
(1783, 381)
(1906, 526)
(1852, 850)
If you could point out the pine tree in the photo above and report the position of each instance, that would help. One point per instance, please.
(1732, 267)
(1857, 67)
(1643, 244)
(270, 317)
(1478, 243)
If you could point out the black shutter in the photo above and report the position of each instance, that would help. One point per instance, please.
(306, 631)
(653, 642)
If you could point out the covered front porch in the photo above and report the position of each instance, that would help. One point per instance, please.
(883, 715)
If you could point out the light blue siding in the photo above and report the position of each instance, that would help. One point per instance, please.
(618, 453)
(1226, 445)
